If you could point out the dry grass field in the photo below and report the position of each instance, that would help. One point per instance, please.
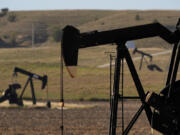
(91, 85)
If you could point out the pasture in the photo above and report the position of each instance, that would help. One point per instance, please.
(89, 90)
(91, 82)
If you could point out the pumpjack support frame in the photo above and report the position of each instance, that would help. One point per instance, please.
(73, 40)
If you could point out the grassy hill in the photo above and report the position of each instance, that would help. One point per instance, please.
(131, 18)
(43, 23)
(91, 82)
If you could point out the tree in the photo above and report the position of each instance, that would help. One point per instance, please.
(13, 37)
(155, 21)
(4, 11)
(40, 32)
(137, 17)
(57, 34)
(12, 17)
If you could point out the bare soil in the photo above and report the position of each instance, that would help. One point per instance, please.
(77, 121)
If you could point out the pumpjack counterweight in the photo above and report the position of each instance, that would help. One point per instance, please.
(11, 95)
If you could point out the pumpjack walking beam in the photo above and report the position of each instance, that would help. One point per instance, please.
(73, 40)
(32, 75)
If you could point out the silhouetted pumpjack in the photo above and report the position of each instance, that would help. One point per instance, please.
(30, 80)
(12, 96)
(142, 56)
(165, 117)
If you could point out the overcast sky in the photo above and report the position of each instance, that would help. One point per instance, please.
(89, 4)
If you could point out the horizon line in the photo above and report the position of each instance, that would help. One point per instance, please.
(94, 9)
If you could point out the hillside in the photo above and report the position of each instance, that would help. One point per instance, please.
(91, 82)
(131, 18)
(42, 24)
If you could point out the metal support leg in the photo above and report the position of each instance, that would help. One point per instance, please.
(32, 91)
(122, 94)
(174, 71)
(114, 106)
(22, 93)
(136, 116)
(138, 84)
(141, 62)
(171, 64)
(110, 79)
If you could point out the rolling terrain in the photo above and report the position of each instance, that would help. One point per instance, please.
(91, 82)
(40, 25)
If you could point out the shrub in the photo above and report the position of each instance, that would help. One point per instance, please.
(138, 17)
(57, 34)
(40, 32)
(155, 21)
(1, 14)
(4, 11)
(13, 36)
(12, 17)
(5, 36)
(96, 18)
(102, 23)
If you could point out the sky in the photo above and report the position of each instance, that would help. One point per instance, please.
(90, 4)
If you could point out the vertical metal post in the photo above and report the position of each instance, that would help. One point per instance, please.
(171, 64)
(176, 64)
(32, 35)
(110, 78)
(141, 62)
(122, 94)
(174, 70)
(115, 97)
(61, 93)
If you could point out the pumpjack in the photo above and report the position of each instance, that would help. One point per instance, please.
(11, 94)
(143, 54)
(151, 66)
(162, 109)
